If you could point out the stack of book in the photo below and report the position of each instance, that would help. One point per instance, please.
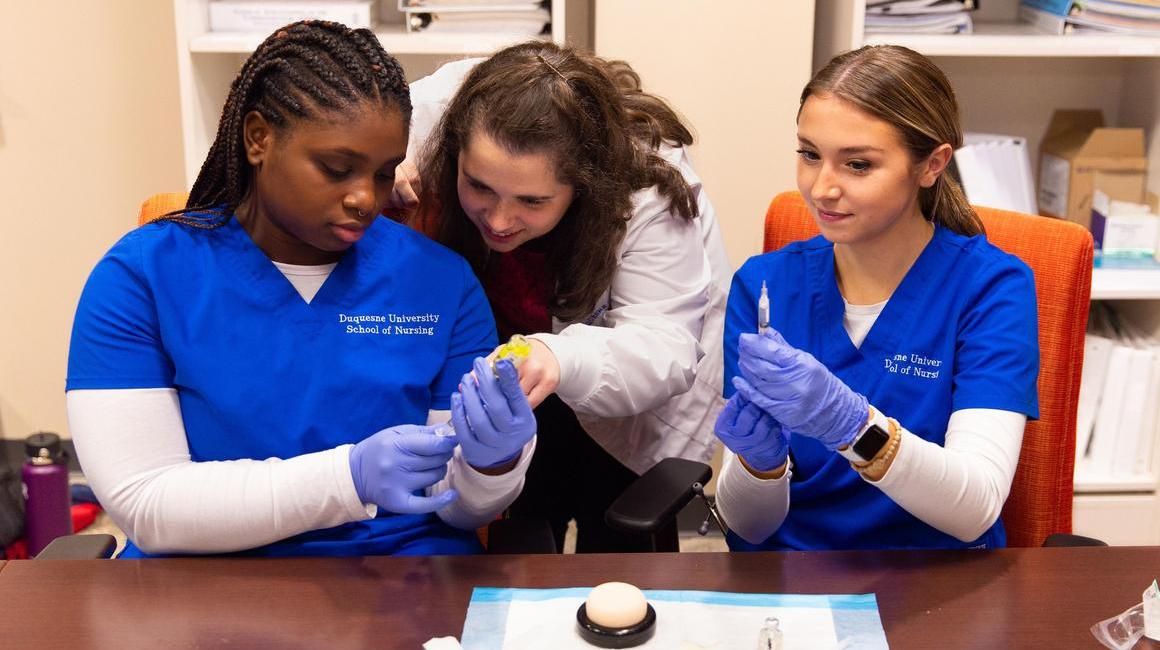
(1119, 400)
(919, 16)
(1131, 17)
(474, 16)
(267, 15)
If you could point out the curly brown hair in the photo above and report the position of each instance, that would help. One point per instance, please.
(601, 131)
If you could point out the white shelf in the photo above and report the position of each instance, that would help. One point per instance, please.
(1092, 484)
(1021, 40)
(1125, 284)
(207, 62)
(394, 38)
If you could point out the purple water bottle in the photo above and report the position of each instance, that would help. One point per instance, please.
(47, 512)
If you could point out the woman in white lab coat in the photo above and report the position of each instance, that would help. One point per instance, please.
(570, 192)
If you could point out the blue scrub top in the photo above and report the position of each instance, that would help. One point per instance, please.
(261, 373)
(959, 332)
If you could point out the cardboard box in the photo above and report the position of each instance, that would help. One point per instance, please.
(1078, 155)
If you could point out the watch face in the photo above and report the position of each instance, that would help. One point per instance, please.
(870, 443)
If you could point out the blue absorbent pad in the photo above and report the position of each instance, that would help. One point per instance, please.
(510, 619)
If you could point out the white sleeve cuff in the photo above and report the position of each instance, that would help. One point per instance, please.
(578, 380)
(344, 481)
(482, 497)
(959, 487)
(752, 507)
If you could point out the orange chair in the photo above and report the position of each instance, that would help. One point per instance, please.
(1060, 255)
(158, 204)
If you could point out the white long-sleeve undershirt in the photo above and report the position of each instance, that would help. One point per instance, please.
(133, 449)
(958, 488)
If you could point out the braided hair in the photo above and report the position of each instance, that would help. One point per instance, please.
(299, 71)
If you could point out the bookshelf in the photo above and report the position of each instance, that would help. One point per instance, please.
(1126, 284)
(1009, 78)
(394, 38)
(207, 62)
(997, 33)
(991, 39)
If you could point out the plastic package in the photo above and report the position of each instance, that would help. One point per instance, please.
(515, 350)
(1122, 631)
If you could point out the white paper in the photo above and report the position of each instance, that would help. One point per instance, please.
(533, 625)
(507, 619)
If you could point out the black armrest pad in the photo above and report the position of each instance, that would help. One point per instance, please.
(79, 547)
(520, 535)
(657, 496)
(1067, 539)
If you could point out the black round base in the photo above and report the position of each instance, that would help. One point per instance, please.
(616, 637)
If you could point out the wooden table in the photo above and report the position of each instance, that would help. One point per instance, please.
(1014, 598)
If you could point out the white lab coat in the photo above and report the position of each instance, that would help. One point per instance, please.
(643, 371)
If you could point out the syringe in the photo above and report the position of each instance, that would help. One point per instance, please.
(763, 310)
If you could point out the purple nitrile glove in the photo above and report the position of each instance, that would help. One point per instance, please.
(391, 465)
(492, 417)
(752, 434)
(800, 392)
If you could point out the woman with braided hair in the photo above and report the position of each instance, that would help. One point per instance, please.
(263, 371)
(570, 191)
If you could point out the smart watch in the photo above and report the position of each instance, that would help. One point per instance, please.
(870, 440)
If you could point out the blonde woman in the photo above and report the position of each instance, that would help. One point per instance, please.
(884, 407)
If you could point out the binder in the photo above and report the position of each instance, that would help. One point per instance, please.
(1102, 448)
(995, 171)
(1057, 7)
(1097, 354)
(1065, 16)
(1143, 461)
(1131, 429)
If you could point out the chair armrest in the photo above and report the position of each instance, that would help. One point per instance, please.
(657, 496)
(520, 535)
(1067, 539)
(79, 547)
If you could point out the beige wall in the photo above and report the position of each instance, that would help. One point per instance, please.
(88, 127)
(735, 71)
